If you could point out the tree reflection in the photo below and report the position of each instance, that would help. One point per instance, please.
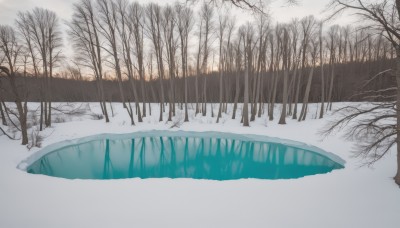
(184, 157)
(132, 159)
(107, 161)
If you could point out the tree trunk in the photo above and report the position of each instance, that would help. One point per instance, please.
(196, 85)
(282, 119)
(321, 112)
(198, 74)
(303, 112)
(24, 127)
(204, 109)
(41, 114)
(143, 96)
(329, 105)
(220, 92)
(256, 95)
(274, 91)
(161, 99)
(246, 98)
(186, 105)
(236, 95)
(49, 104)
(291, 90)
(261, 102)
(397, 177)
(221, 74)
(3, 117)
(245, 114)
(22, 110)
(130, 112)
(321, 58)
(103, 100)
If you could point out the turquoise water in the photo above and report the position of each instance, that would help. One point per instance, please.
(178, 156)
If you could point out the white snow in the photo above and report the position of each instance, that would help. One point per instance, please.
(351, 197)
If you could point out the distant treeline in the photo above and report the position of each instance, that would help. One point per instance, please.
(350, 79)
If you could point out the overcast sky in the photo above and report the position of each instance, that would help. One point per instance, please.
(63, 8)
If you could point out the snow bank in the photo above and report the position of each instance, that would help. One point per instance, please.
(351, 197)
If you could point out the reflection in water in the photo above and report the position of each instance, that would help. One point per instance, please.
(182, 157)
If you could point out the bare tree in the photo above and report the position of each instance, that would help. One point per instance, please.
(383, 16)
(307, 26)
(25, 32)
(272, 79)
(198, 69)
(2, 112)
(206, 16)
(313, 56)
(262, 27)
(285, 64)
(333, 37)
(153, 24)
(247, 65)
(107, 22)
(47, 39)
(137, 20)
(296, 54)
(238, 57)
(83, 31)
(12, 51)
(230, 61)
(126, 37)
(321, 64)
(171, 44)
(222, 24)
(184, 17)
(275, 62)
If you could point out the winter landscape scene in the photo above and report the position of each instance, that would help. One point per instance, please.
(199, 113)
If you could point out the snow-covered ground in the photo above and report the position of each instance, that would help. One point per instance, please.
(351, 197)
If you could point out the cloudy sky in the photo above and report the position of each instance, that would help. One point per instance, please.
(63, 8)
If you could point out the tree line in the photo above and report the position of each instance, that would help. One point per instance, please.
(69, 85)
(173, 56)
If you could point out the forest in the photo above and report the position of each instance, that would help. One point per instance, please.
(176, 56)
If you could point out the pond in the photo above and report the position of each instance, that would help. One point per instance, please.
(179, 154)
